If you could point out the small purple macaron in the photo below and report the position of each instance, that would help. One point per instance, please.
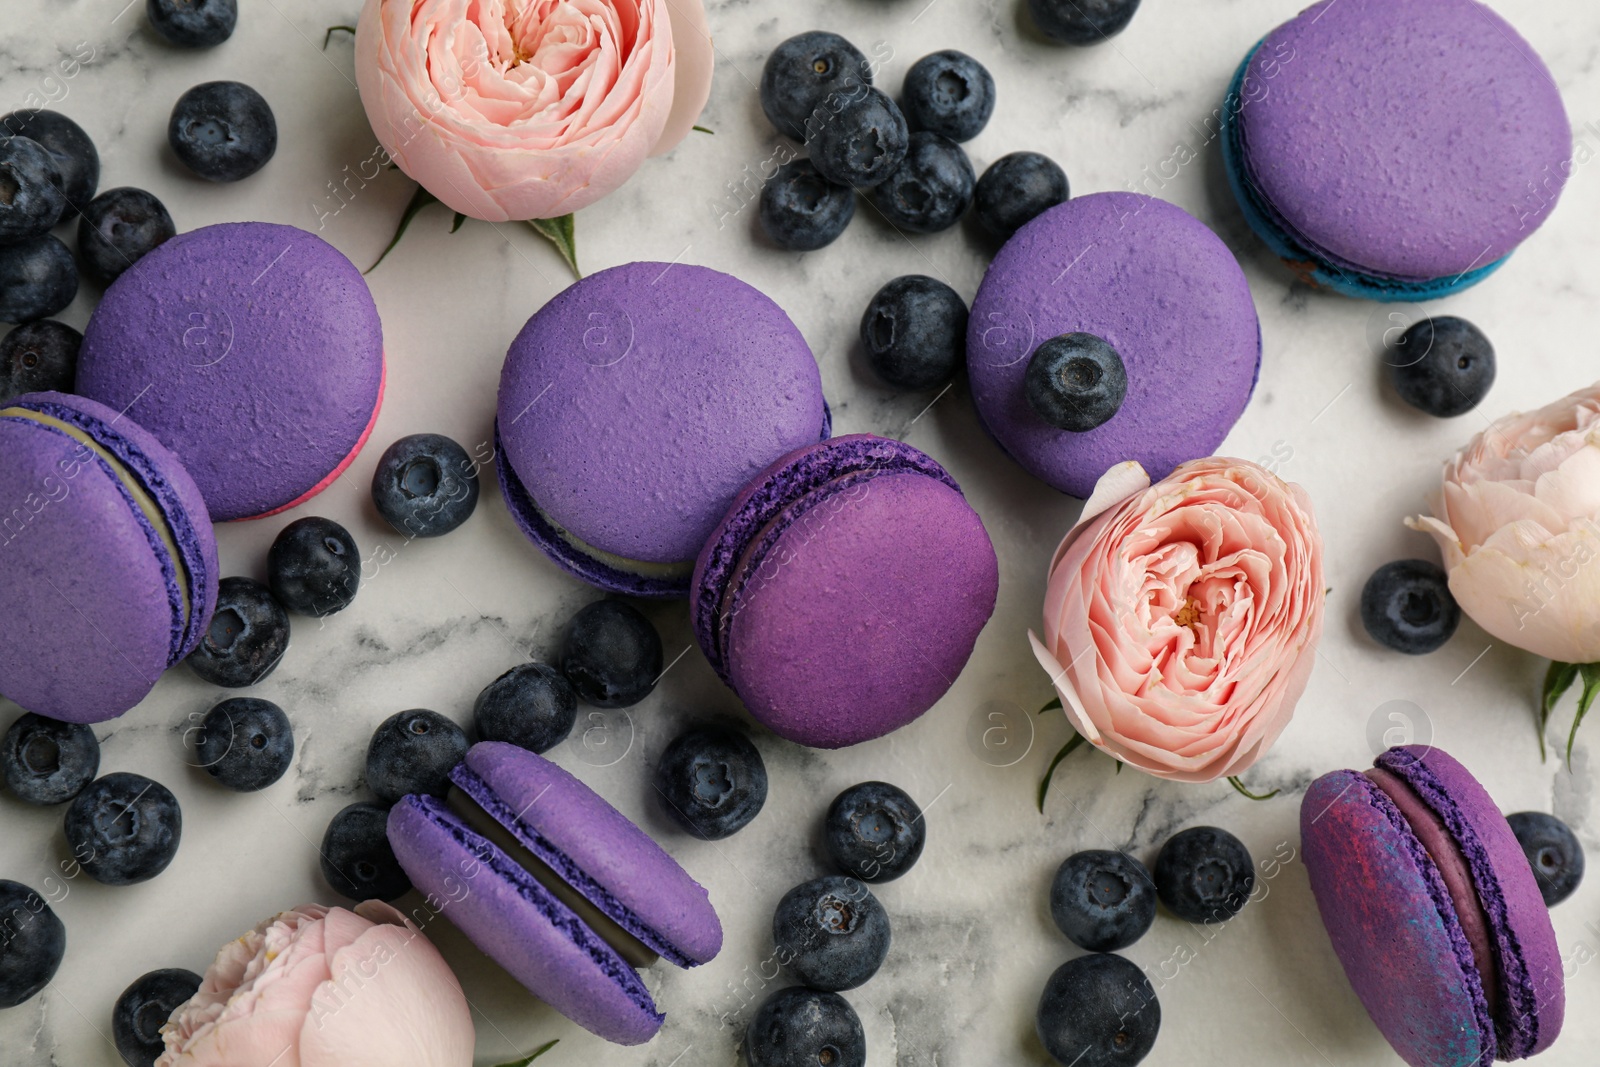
(109, 572)
(556, 886)
(1162, 290)
(1433, 910)
(632, 408)
(253, 351)
(842, 593)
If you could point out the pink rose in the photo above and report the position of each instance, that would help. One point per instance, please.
(325, 987)
(1182, 618)
(530, 109)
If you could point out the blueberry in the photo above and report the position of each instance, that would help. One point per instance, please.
(1406, 605)
(414, 752)
(611, 655)
(118, 227)
(357, 859)
(193, 23)
(711, 781)
(71, 148)
(862, 142)
(123, 828)
(31, 200)
(39, 357)
(1098, 1010)
(144, 1008)
(245, 744)
(48, 762)
(1442, 366)
(1102, 900)
(931, 188)
(874, 831)
(425, 485)
(1082, 21)
(1075, 382)
(314, 567)
(223, 131)
(801, 210)
(808, 77)
(248, 635)
(1553, 852)
(1204, 874)
(948, 93)
(1016, 189)
(915, 332)
(33, 944)
(531, 705)
(799, 1027)
(38, 278)
(832, 931)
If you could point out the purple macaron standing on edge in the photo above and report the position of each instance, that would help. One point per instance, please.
(632, 408)
(108, 563)
(1433, 910)
(842, 593)
(555, 885)
(253, 351)
(1160, 288)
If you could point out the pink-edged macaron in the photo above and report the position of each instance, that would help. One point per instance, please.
(555, 885)
(109, 571)
(253, 351)
(1433, 910)
(632, 408)
(842, 593)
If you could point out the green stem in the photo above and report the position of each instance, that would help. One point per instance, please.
(1066, 750)
(703, 129)
(1237, 784)
(1591, 687)
(530, 1057)
(419, 200)
(1557, 680)
(1054, 705)
(351, 30)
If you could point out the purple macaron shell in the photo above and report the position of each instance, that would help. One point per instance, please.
(92, 598)
(1532, 982)
(1416, 140)
(1162, 290)
(844, 591)
(518, 923)
(253, 350)
(1393, 925)
(636, 403)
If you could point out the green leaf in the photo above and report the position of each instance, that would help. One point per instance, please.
(460, 218)
(1557, 680)
(1591, 687)
(1054, 705)
(559, 232)
(1066, 750)
(1234, 781)
(703, 129)
(530, 1057)
(419, 200)
(351, 30)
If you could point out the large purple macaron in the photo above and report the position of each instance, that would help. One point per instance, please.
(632, 408)
(1433, 910)
(1416, 141)
(842, 593)
(253, 351)
(556, 886)
(109, 572)
(1162, 290)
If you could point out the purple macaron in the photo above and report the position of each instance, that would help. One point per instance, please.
(632, 408)
(556, 886)
(842, 593)
(1433, 910)
(110, 565)
(1161, 289)
(251, 350)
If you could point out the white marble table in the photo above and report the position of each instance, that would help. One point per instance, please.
(436, 620)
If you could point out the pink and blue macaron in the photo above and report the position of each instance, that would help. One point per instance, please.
(253, 351)
(1156, 285)
(1433, 910)
(555, 885)
(632, 408)
(1395, 151)
(110, 565)
(843, 591)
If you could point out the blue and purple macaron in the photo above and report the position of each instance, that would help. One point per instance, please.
(108, 565)
(632, 408)
(1395, 151)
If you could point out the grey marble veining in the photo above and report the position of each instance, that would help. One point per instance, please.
(437, 620)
